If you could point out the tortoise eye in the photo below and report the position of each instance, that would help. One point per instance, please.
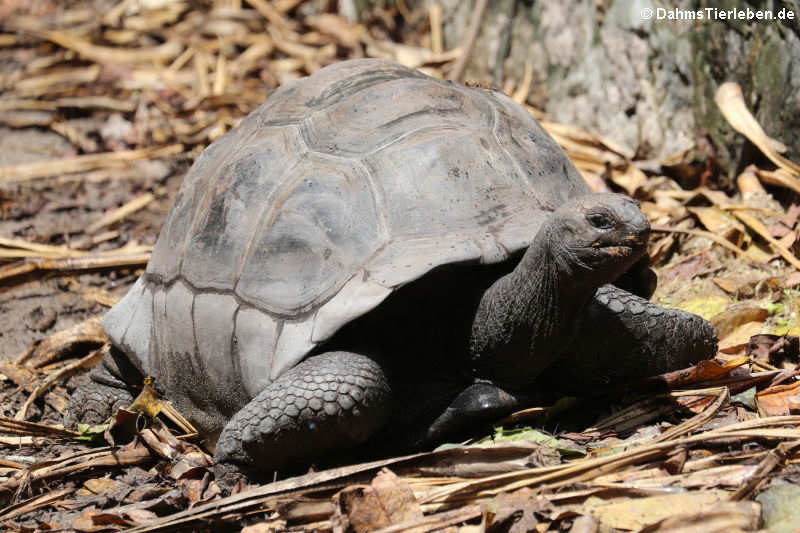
(600, 220)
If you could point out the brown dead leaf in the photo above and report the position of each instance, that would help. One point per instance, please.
(722, 518)
(778, 400)
(200, 489)
(191, 464)
(140, 516)
(710, 370)
(636, 514)
(691, 267)
(720, 222)
(94, 521)
(756, 225)
(738, 339)
(749, 286)
(778, 230)
(123, 428)
(749, 185)
(736, 315)
(630, 179)
(731, 103)
(100, 485)
(386, 501)
(515, 511)
(660, 249)
(729, 285)
(780, 177)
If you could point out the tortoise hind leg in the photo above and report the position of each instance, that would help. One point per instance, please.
(99, 397)
(326, 403)
(624, 337)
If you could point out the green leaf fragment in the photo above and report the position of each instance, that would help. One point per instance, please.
(502, 434)
(91, 433)
(746, 398)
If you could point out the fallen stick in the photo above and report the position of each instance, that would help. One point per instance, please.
(82, 163)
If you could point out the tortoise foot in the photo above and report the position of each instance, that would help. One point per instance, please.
(94, 402)
(327, 403)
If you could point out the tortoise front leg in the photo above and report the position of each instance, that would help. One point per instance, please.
(623, 337)
(328, 402)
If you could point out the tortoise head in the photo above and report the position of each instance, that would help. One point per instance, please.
(602, 235)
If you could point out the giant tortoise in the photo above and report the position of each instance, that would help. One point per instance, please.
(375, 253)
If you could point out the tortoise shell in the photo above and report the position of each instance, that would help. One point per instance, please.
(339, 189)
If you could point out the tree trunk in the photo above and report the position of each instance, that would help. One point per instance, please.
(648, 84)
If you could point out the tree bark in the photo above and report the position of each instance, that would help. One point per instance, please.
(645, 83)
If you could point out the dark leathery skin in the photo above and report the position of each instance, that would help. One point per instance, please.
(624, 338)
(328, 402)
(95, 400)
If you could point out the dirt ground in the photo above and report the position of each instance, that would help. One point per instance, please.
(59, 215)
(76, 232)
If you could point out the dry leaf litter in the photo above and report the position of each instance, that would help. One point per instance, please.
(129, 92)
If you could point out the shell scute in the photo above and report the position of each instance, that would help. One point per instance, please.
(321, 226)
(236, 199)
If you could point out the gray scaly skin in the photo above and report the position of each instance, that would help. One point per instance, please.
(527, 317)
(98, 398)
(647, 340)
(545, 312)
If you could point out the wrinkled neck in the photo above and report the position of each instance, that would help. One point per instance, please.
(527, 318)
